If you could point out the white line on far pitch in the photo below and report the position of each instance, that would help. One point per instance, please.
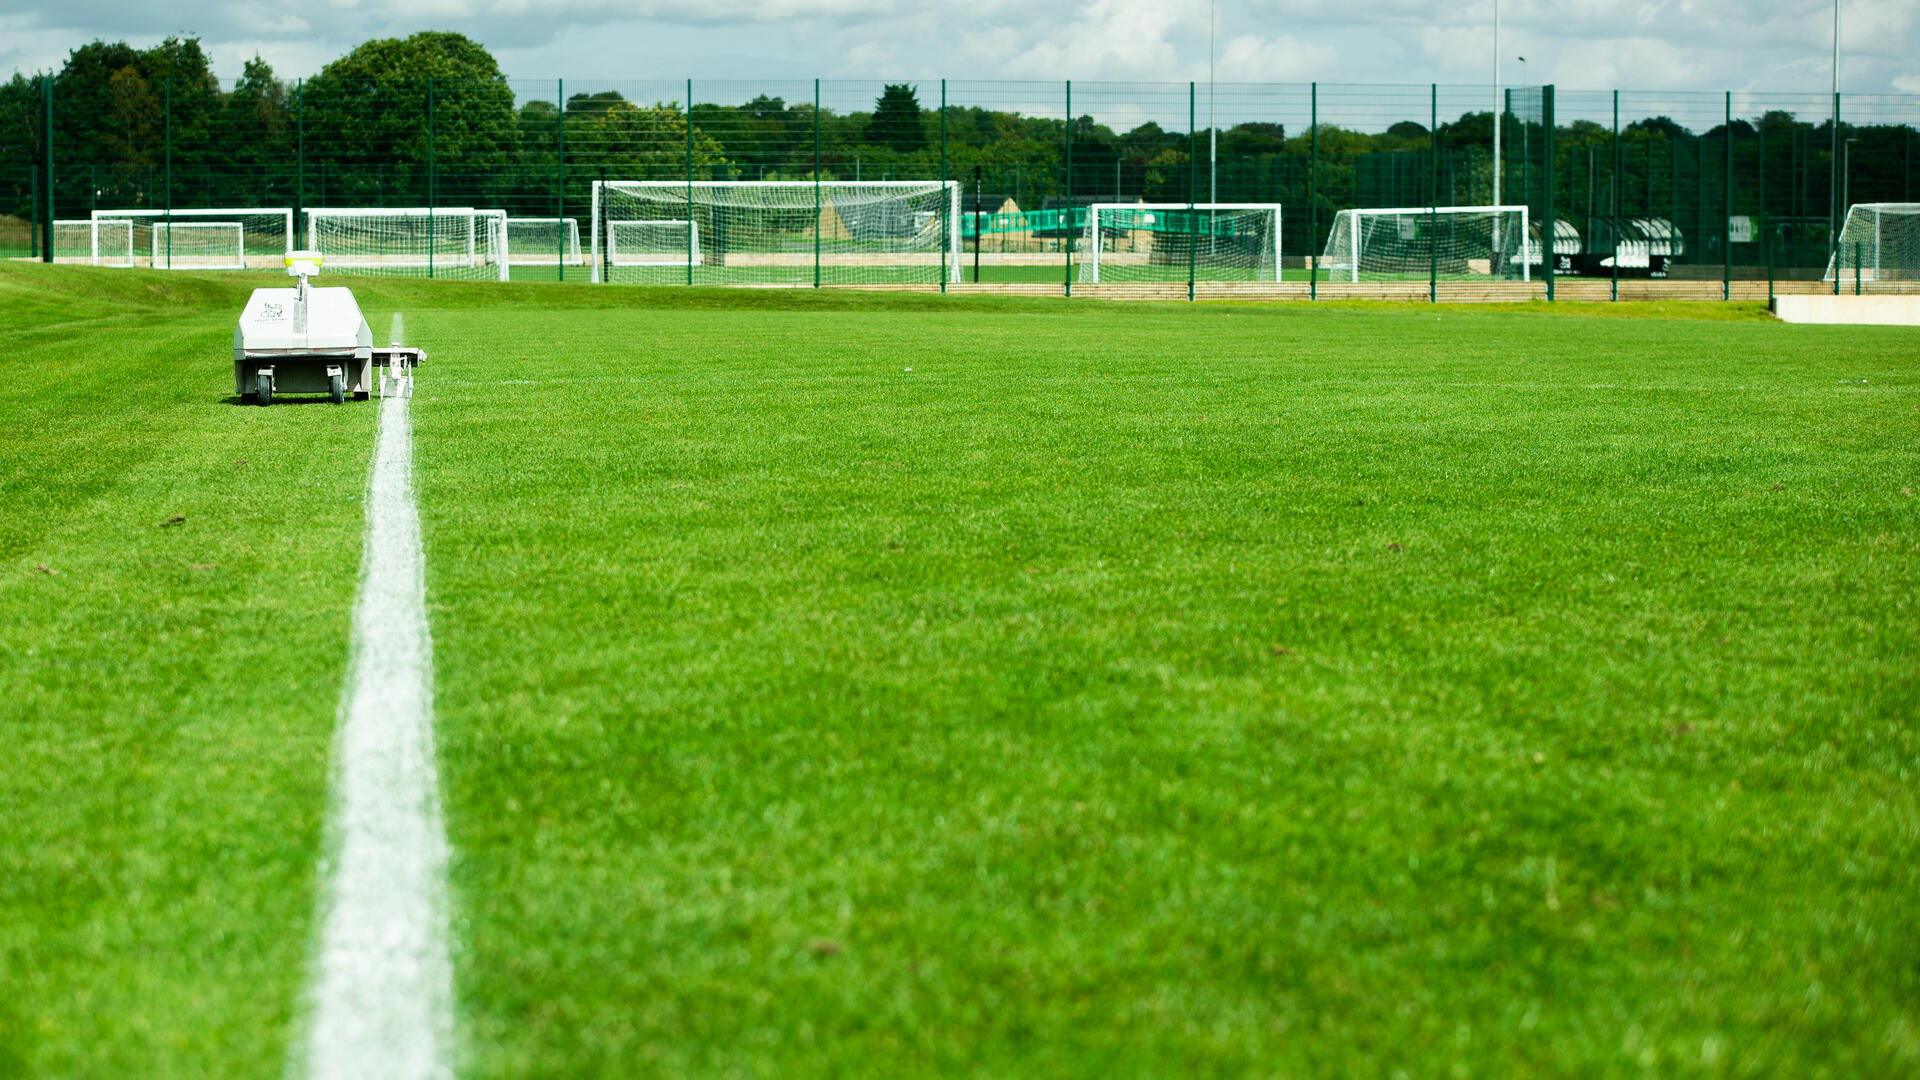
(382, 995)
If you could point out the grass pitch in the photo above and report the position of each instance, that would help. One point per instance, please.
(1123, 689)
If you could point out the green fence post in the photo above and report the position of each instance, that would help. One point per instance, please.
(1547, 227)
(1856, 268)
(1066, 220)
(947, 198)
(1726, 218)
(1433, 194)
(816, 183)
(1193, 177)
(46, 155)
(560, 195)
(1313, 191)
(690, 222)
(432, 177)
(167, 108)
(1614, 203)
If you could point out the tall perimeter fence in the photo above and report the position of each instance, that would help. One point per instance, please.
(1603, 194)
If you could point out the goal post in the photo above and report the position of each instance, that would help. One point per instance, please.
(538, 241)
(1407, 243)
(1879, 241)
(775, 232)
(1162, 241)
(456, 242)
(202, 238)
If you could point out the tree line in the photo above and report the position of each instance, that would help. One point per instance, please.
(431, 117)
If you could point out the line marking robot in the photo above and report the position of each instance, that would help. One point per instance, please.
(312, 340)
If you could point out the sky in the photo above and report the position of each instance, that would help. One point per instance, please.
(1762, 46)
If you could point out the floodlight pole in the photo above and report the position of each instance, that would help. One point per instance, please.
(1213, 134)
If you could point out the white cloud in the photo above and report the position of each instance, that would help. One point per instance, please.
(1251, 58)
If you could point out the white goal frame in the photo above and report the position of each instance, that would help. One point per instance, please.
(1436, 212)
(1093, 225)
(574, 254)
(680, 257)
(474, 256)
(1841, 262)
(952, 250)
(94, 248)
(162, 249)
(225, 214)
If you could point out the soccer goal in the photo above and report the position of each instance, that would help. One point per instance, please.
(536, 241)
(172, 239)
(653, 243)
(1161, 241)
(776, 232)
(1410, 243)
(200, 245)
(412, 241)
(93, 243)
(1881, 241)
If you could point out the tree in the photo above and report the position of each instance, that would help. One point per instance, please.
(368, 113)
(896, 122)
(258, 120)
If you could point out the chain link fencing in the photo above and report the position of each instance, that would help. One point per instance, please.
(1308, 190)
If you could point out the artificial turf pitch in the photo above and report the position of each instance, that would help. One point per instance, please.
(894, 685)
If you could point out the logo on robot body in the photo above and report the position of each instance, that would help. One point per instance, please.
(271, 311)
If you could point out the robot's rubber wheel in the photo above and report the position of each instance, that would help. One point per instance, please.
(338, 385)
(263, 388)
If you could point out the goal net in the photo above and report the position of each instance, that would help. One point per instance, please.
(1469, 242)
(412, 241)
(1161, 241)
(200, 245)
(1881, 241)
(653, 243)
(535, 241)
(206, 238)
(775, 232)
(93, 243)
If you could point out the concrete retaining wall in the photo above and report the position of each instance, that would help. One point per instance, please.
(1849, 310)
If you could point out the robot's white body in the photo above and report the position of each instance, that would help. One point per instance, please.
(308, 340)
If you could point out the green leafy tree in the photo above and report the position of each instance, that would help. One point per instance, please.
(896, 123)
(367, 118)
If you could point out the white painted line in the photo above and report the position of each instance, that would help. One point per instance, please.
(382, 1004)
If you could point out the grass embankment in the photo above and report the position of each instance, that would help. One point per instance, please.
(903, 686)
